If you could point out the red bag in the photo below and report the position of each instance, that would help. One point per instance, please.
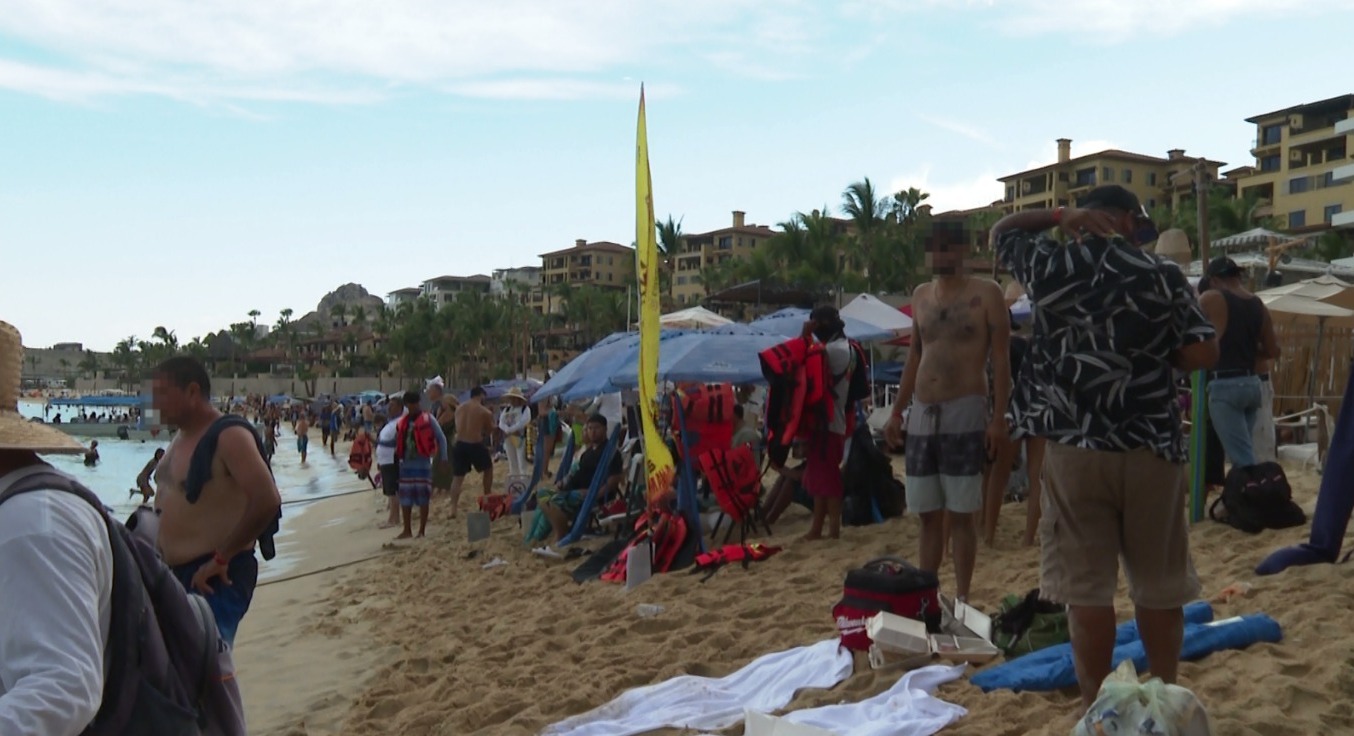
(885, 584)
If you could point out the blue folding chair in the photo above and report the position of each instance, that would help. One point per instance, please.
(537, 470)
(594, 488)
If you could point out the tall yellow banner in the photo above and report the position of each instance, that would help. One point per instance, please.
(658, 465)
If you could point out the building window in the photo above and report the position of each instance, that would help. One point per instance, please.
(681, 281)
(1298, 185)
(1107, 175)
(1270, 135)
(725, 242)
(1010, 194)
(1151, 204)
(1270, 163)
(1128, 176)
(752, 242)
(1330, 212)
(1297, 219)
(1085, 177)
(1151, 178)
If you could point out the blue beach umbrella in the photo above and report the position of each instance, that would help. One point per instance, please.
(596, 358)
(789, 322)
(709, 356)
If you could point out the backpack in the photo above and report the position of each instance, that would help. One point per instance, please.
(859, 389)
(1026, 624)
(885, 584)
(167, 670)
(1258, 497)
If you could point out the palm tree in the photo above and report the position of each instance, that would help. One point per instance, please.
(339, 312)
(65, 369)
(669, 245)
(359, 314)
(89, 365)
(254, 315)
(869, 213)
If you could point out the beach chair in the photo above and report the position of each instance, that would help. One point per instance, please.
(537, 471)
(736, 482)
(581, 522)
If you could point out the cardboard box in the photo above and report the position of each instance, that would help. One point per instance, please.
(904, 642)
(762, 724)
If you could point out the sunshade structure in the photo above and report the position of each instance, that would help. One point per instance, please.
(1255, 238)
(494, 390)
(708, 357)
(1287, 303)
(789, 322)
(607, 352)
(1325, 289)
(693, 318)
(870, 310)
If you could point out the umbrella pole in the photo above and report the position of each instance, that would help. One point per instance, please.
(1198, 436)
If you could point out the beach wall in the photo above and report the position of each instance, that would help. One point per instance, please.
(270, 385)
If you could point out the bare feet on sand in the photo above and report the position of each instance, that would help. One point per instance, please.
(404, 535)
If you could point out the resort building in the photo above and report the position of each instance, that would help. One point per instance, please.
(603, 264)
(524, 284)
(697, 251)
(444, 290)
(1303, 166)
(1156, 181)
(403, 296)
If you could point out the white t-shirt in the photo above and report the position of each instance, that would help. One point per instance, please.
(56, 581)
(385, 441)
(839, 364)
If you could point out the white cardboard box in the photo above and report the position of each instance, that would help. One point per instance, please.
(904, 641)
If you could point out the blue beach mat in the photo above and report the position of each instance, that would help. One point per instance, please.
(1052, 668)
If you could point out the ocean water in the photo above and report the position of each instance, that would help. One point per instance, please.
(120, 461)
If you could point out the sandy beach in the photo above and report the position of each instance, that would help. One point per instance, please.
(423, 641)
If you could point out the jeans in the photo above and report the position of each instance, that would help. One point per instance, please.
(1233, 404)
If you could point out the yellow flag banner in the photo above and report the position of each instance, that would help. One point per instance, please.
(658, 467)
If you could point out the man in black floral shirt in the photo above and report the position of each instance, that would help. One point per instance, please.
(1112, 322)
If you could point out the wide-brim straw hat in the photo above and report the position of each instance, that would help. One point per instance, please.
(515, 394)
(16, 432)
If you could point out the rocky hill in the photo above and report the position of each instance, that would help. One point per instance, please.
(349, 295)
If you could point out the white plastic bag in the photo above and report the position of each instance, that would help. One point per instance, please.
(1125, 706)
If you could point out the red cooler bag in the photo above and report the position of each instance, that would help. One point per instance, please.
(886, 584)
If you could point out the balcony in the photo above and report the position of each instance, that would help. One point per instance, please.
(1343, 219)
(1345, 127)
(1342, 174)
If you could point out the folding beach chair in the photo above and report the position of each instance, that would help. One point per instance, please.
(584, 517)
(537, 471)
(736, 482)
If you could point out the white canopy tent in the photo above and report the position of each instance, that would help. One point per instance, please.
(874, 312)
(692, 318)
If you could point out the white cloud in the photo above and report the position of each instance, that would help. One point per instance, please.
(348, 50)
(958, 127)
(949, 194)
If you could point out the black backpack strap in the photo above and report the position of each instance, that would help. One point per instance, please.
(127, 596)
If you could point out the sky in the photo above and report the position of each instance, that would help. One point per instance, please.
(180, 163)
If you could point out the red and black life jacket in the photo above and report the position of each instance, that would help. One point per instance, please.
(734, 479)
(425, 441)
(707, 416)
(744, 553)
(797, 374)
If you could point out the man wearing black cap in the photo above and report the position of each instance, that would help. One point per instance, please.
(825, 454)
(1111, 326)
(1246, 339)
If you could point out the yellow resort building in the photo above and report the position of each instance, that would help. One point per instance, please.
(1156, 180)
(697, 251)
(603, 264)
(1303, 166)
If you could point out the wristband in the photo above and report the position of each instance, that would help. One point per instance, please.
(1058, 215)
(218, 559)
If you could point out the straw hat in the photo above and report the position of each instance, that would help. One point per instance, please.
(17, 433)
(515, 393)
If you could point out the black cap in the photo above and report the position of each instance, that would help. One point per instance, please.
(1112, 197)
(1223, 266)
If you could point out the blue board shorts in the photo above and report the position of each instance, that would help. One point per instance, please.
(229, 603)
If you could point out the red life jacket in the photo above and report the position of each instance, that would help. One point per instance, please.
(359, 457)
(796, 371)
(425, 440)
(707, 416)
(745, 553)
(668, 531)
(734, 479)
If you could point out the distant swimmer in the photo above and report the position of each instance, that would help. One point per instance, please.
(143, 478)
(92, 454)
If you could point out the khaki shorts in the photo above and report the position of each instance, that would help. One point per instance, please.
(1099, 507)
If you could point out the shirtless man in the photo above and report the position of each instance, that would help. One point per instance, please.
(209, 542)
(961, 324)
(474, 423)
(303, 434)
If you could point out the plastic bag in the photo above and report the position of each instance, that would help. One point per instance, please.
(1125, 706)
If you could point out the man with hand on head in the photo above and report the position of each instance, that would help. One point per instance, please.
(1112, 325)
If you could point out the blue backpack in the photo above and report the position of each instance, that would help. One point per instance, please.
(167, 670)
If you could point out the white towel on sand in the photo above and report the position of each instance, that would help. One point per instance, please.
(906, 709)
(766, 684)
